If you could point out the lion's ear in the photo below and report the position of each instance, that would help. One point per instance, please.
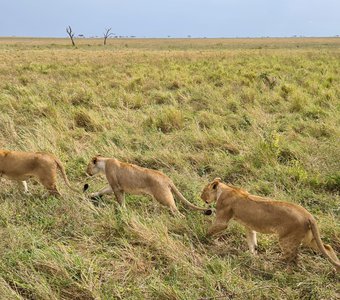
(94, 160)
(215, 184)
(218, 179)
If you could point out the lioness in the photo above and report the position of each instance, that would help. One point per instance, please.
(20, 166)
(129, 178)
(291, 222)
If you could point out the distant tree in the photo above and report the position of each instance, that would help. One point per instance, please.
(71, 34)
(107, 33)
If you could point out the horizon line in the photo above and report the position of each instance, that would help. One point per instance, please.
(168, 37)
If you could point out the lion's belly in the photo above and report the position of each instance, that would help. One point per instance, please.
(256, 227)
(137, 185)
(14, 176)
(136, 190)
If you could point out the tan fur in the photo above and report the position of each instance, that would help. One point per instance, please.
(129, 178)
(20, 166)
(292, 223)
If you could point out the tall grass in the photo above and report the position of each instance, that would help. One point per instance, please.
(260, 114)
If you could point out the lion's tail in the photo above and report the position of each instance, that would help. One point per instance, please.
(63, 173)
(185, 201)
(316, 235)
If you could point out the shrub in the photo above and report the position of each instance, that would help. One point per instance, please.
(84, 120)
(82, 98)
(168, 120)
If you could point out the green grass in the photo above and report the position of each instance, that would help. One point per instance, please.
(260, 114)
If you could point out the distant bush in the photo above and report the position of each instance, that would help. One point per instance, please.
(168, 120)
(84, 120)
(329, 183)
(82, 98)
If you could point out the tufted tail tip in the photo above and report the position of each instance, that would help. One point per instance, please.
(86, 187)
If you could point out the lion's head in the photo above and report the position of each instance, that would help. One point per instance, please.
(93, 166)
(209, 193)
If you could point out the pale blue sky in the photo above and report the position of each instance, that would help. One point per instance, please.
(176, 18)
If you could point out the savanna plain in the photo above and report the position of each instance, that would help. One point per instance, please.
(262, 114)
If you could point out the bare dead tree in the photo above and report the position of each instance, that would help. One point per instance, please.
(71, 34)
(107, 33)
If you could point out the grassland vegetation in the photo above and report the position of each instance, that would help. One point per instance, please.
(261, 114)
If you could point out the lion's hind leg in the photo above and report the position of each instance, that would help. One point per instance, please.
(165, 197)
(49, 182)
(290, 246)
(175, 212)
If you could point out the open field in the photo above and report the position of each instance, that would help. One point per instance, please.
(174, 44)
(262, 114)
